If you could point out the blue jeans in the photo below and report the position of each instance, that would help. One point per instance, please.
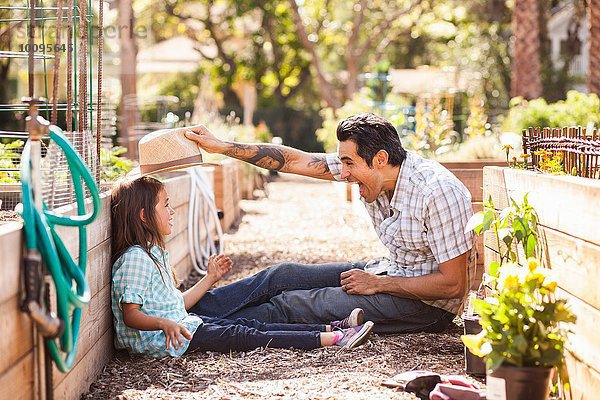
(307, 293)
(224, 335)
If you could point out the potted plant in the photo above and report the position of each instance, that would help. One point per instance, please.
(523, 323)
(523, 332)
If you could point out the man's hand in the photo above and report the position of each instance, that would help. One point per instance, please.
(174, 331)
(218, 265)
(205, 139)
(357, 281)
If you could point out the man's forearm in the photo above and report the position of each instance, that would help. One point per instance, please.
(426, 287)
(279, 158)
(269, 156)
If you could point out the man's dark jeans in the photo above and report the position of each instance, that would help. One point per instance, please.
(301, 293)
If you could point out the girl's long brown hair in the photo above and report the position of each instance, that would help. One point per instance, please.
(128, 199)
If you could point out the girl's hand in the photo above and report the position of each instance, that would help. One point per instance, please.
(173, 331)
(218, 265)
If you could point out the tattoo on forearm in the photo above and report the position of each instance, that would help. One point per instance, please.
(319, 162)
(264, 156)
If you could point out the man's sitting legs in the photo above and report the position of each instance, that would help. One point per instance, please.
(390, 314)
(268, 283)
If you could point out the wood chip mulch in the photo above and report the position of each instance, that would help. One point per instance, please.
(305, 221)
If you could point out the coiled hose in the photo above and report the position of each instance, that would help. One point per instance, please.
(41, 239)
(201, 195)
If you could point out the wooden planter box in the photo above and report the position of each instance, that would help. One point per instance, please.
(569, 220)
(470, 173)
(18, 365)
(227, 194)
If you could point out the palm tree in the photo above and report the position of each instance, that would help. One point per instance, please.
(594, 38)
(526, 65)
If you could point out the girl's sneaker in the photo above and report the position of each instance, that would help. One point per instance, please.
(355, 336)
(355, 318)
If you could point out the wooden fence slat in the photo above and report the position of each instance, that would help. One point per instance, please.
(84, 373)
(557, 199)
(17, 382)
(580, 372)
(17, 333)
(11, 253)
(178, 247)
(96, 321)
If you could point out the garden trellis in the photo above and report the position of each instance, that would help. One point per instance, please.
(62, 54)
(580, 148)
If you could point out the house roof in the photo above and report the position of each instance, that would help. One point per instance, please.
(178, 54)
(430, 80)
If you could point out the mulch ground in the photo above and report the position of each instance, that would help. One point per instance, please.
(305, 221)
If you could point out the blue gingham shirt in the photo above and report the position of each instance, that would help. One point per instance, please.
(136, 279)
(423, 224)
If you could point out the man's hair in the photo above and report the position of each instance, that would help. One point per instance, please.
(371, 134)
(128, 199)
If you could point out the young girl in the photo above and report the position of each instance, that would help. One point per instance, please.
(149, 311)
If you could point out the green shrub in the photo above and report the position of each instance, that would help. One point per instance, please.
(360, 103)
(577, 109)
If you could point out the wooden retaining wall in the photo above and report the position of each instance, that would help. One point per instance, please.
(227, 192)
(569, 221)
(18, 367)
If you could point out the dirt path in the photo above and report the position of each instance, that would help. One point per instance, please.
(306, 221)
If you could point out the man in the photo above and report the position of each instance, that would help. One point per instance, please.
(419, 211)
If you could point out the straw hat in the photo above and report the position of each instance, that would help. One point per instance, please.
(166, 150)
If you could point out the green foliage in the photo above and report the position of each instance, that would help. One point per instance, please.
(515, 225)
(112, 165)
(521, 325)
(477, 123)
(9, 159)
(577, 109)
(522, 319)
(360, 103)
(433, 133)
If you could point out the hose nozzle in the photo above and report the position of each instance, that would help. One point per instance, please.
(47, 324)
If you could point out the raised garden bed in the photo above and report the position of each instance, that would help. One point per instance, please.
(569, 222)
(18, 365)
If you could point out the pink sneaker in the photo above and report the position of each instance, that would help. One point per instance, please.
(355, 336)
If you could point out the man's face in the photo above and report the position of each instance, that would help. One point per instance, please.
(356, 170)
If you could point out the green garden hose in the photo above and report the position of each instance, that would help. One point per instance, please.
(41, 239)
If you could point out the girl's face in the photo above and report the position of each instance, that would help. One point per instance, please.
(164, 214)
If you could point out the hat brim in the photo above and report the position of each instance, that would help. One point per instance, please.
(138, 173)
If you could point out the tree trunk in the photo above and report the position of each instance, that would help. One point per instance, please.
(128, 55)
(594, 38)
(325, 88)
(526, 80)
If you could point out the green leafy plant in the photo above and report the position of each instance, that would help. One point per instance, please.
(577, 109)
(514, 225)
(521, 319)
(360, 103)
(112, 165)
(9, 159)
(434, 132)
(477, 123)
(522, 323)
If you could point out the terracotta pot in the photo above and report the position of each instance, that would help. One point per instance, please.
(519, 383)
(473, 365)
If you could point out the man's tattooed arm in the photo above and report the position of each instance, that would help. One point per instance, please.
(280, 158)
(265, 156)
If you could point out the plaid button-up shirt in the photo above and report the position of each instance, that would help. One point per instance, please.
(137, 280)
(423, 225)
